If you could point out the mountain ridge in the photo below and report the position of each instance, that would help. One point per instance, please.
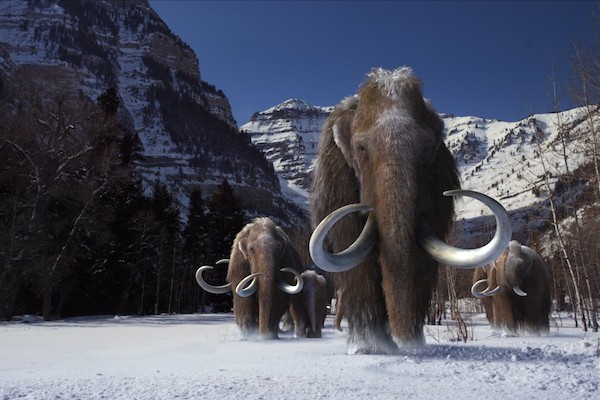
(185, 125)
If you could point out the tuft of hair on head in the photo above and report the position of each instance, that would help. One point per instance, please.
(348, 103)
(393, 83)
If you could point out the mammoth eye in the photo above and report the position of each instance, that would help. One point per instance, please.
(362, 150)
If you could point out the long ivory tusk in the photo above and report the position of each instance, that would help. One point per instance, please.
(287, 288)
(469, 258)
(517, 289)
(246, 291)
(477, 293)
(207, 286)
(353, 255)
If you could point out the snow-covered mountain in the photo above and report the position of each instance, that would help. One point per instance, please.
(288, 135)
(506, 160)
(186, 125)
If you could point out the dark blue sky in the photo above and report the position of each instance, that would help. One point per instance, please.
(490, 59)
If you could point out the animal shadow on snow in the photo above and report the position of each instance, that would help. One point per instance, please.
(453, 353)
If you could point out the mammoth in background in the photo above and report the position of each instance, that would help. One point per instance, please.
(314, 297)
(382, 156)
(262, 267)
(517, 293)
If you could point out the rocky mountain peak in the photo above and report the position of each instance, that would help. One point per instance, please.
(290, 109)
(288, 135)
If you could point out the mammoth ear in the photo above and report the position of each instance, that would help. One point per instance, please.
(242, 247)
(284, 239)
(341, 126)
(334, 182)
(241, 241)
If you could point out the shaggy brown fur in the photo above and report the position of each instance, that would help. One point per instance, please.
(262, 246)
(384, 147)
(478, 274)
(513, 313)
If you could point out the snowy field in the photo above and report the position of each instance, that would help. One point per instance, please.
(201, 357)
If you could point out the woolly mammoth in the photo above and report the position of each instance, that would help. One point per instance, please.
(314, 298)
(263, 266)
(382, 164)
(517, 291)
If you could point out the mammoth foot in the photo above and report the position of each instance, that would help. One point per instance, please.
(253, 334)
(379, 342)
(410, 343)
(268, 336)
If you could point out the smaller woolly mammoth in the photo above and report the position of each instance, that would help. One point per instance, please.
(314, 298)
(265, 270)
(517, 292)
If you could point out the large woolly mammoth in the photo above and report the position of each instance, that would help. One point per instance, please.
(263, 266)
(517, 291)
(314, 298)
(382, 156)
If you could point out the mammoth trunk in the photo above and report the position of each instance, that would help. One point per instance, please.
(265, 308)
(407, 272)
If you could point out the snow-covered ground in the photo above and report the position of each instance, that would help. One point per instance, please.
(200, 356)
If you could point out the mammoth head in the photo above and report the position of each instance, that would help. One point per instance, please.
(507, 272)
(387, 122)
(391, 141)
(261, 248)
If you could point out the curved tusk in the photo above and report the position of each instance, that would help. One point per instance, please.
(246, 291)
(477, 293)
(486, 292)
(469, 258)
(517, 289)
(287, 288)
(207, 286)
(355, 253)
(494, 292)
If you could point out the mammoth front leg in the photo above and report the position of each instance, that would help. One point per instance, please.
(507, 314)
(299, 314)
(245, 312)
(536, 306)
(365, 309)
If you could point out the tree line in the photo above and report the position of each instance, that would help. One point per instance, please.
(79, 234)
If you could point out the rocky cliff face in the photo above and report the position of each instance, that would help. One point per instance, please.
(185, 124)
(288, 135)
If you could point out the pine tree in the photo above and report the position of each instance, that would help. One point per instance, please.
(195, 231)
(166, 271)
(195, 245)
(109, 101)
(225, 220)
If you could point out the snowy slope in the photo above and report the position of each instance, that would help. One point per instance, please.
(201, 357)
